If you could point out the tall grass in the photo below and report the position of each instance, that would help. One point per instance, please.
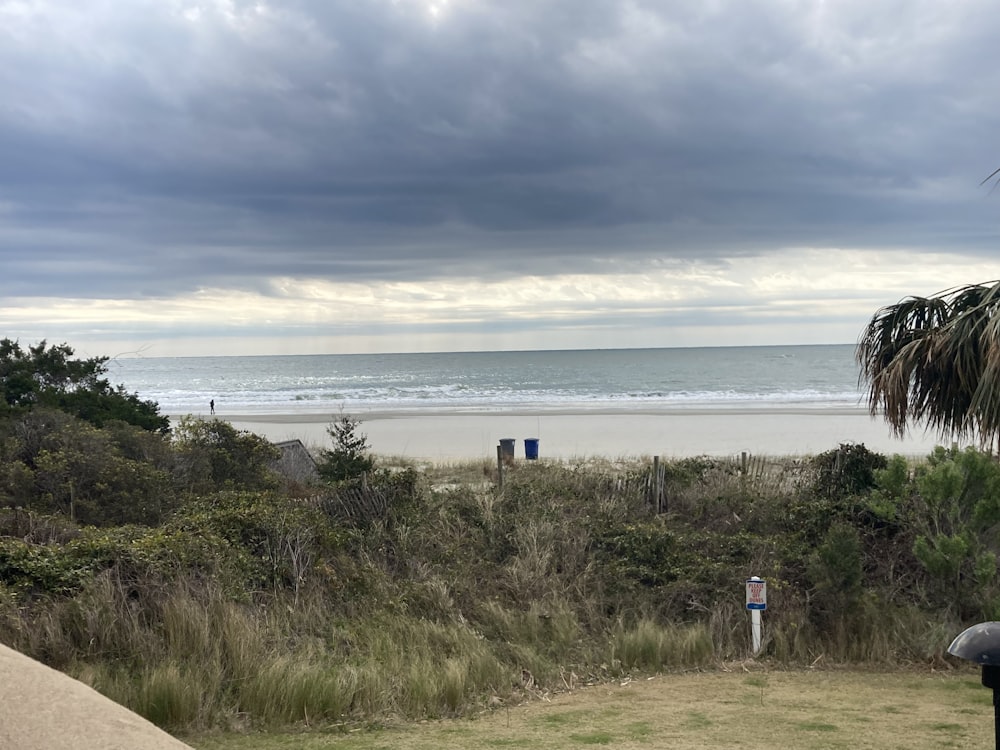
(650, 646)
(170, 695)
(300, 687)
(207, 660)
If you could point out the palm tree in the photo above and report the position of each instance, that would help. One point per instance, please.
(936, 360)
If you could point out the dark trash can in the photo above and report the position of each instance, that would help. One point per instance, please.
(507, 447)
(980, 644)
(531, 448)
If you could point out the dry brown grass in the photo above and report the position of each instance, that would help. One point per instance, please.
(752, 709)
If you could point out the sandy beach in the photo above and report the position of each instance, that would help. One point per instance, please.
(451, 436)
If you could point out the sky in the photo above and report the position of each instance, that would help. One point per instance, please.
(329, 176)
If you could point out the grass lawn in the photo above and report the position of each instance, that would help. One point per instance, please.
(737, 709)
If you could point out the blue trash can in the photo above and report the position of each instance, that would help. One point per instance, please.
(531, 448)
(507, 447)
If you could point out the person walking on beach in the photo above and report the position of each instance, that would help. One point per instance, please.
(211, 406)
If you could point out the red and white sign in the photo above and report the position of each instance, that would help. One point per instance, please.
(756, 593)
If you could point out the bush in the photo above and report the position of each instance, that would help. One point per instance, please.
(55, 463)
(213, 455)
(836, 572)
(283, 538)
(955, 512)
(140, 558)
(848, 470)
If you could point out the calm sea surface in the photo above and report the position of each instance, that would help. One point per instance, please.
(817, 377)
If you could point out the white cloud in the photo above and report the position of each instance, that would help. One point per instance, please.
(805, 296)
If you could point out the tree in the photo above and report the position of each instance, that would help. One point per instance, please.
(348, 458)
(44, 375)
(937, 360)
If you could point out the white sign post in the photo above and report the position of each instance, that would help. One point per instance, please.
(756, 603)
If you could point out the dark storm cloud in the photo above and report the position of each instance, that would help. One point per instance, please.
(151, 148)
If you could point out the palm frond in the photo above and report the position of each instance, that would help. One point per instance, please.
(936, 360)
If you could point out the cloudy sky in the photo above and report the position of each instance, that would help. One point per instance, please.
(311, 176)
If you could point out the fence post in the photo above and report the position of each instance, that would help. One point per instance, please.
(664, 503)
(657, 485)
(499, 467)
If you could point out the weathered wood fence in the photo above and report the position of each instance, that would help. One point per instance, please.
(659, 488)
(358, 502)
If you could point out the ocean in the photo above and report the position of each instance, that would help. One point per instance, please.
(812, 377)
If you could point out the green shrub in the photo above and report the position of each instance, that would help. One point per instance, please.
(28, 569)
(59, 464)
(349, 456)
(955, 513)
(280, 539)
(847, 470)
(835, 570)
(212, 455)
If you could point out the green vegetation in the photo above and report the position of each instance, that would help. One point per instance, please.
(349, 455)
(48, 376)
(173, 572)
